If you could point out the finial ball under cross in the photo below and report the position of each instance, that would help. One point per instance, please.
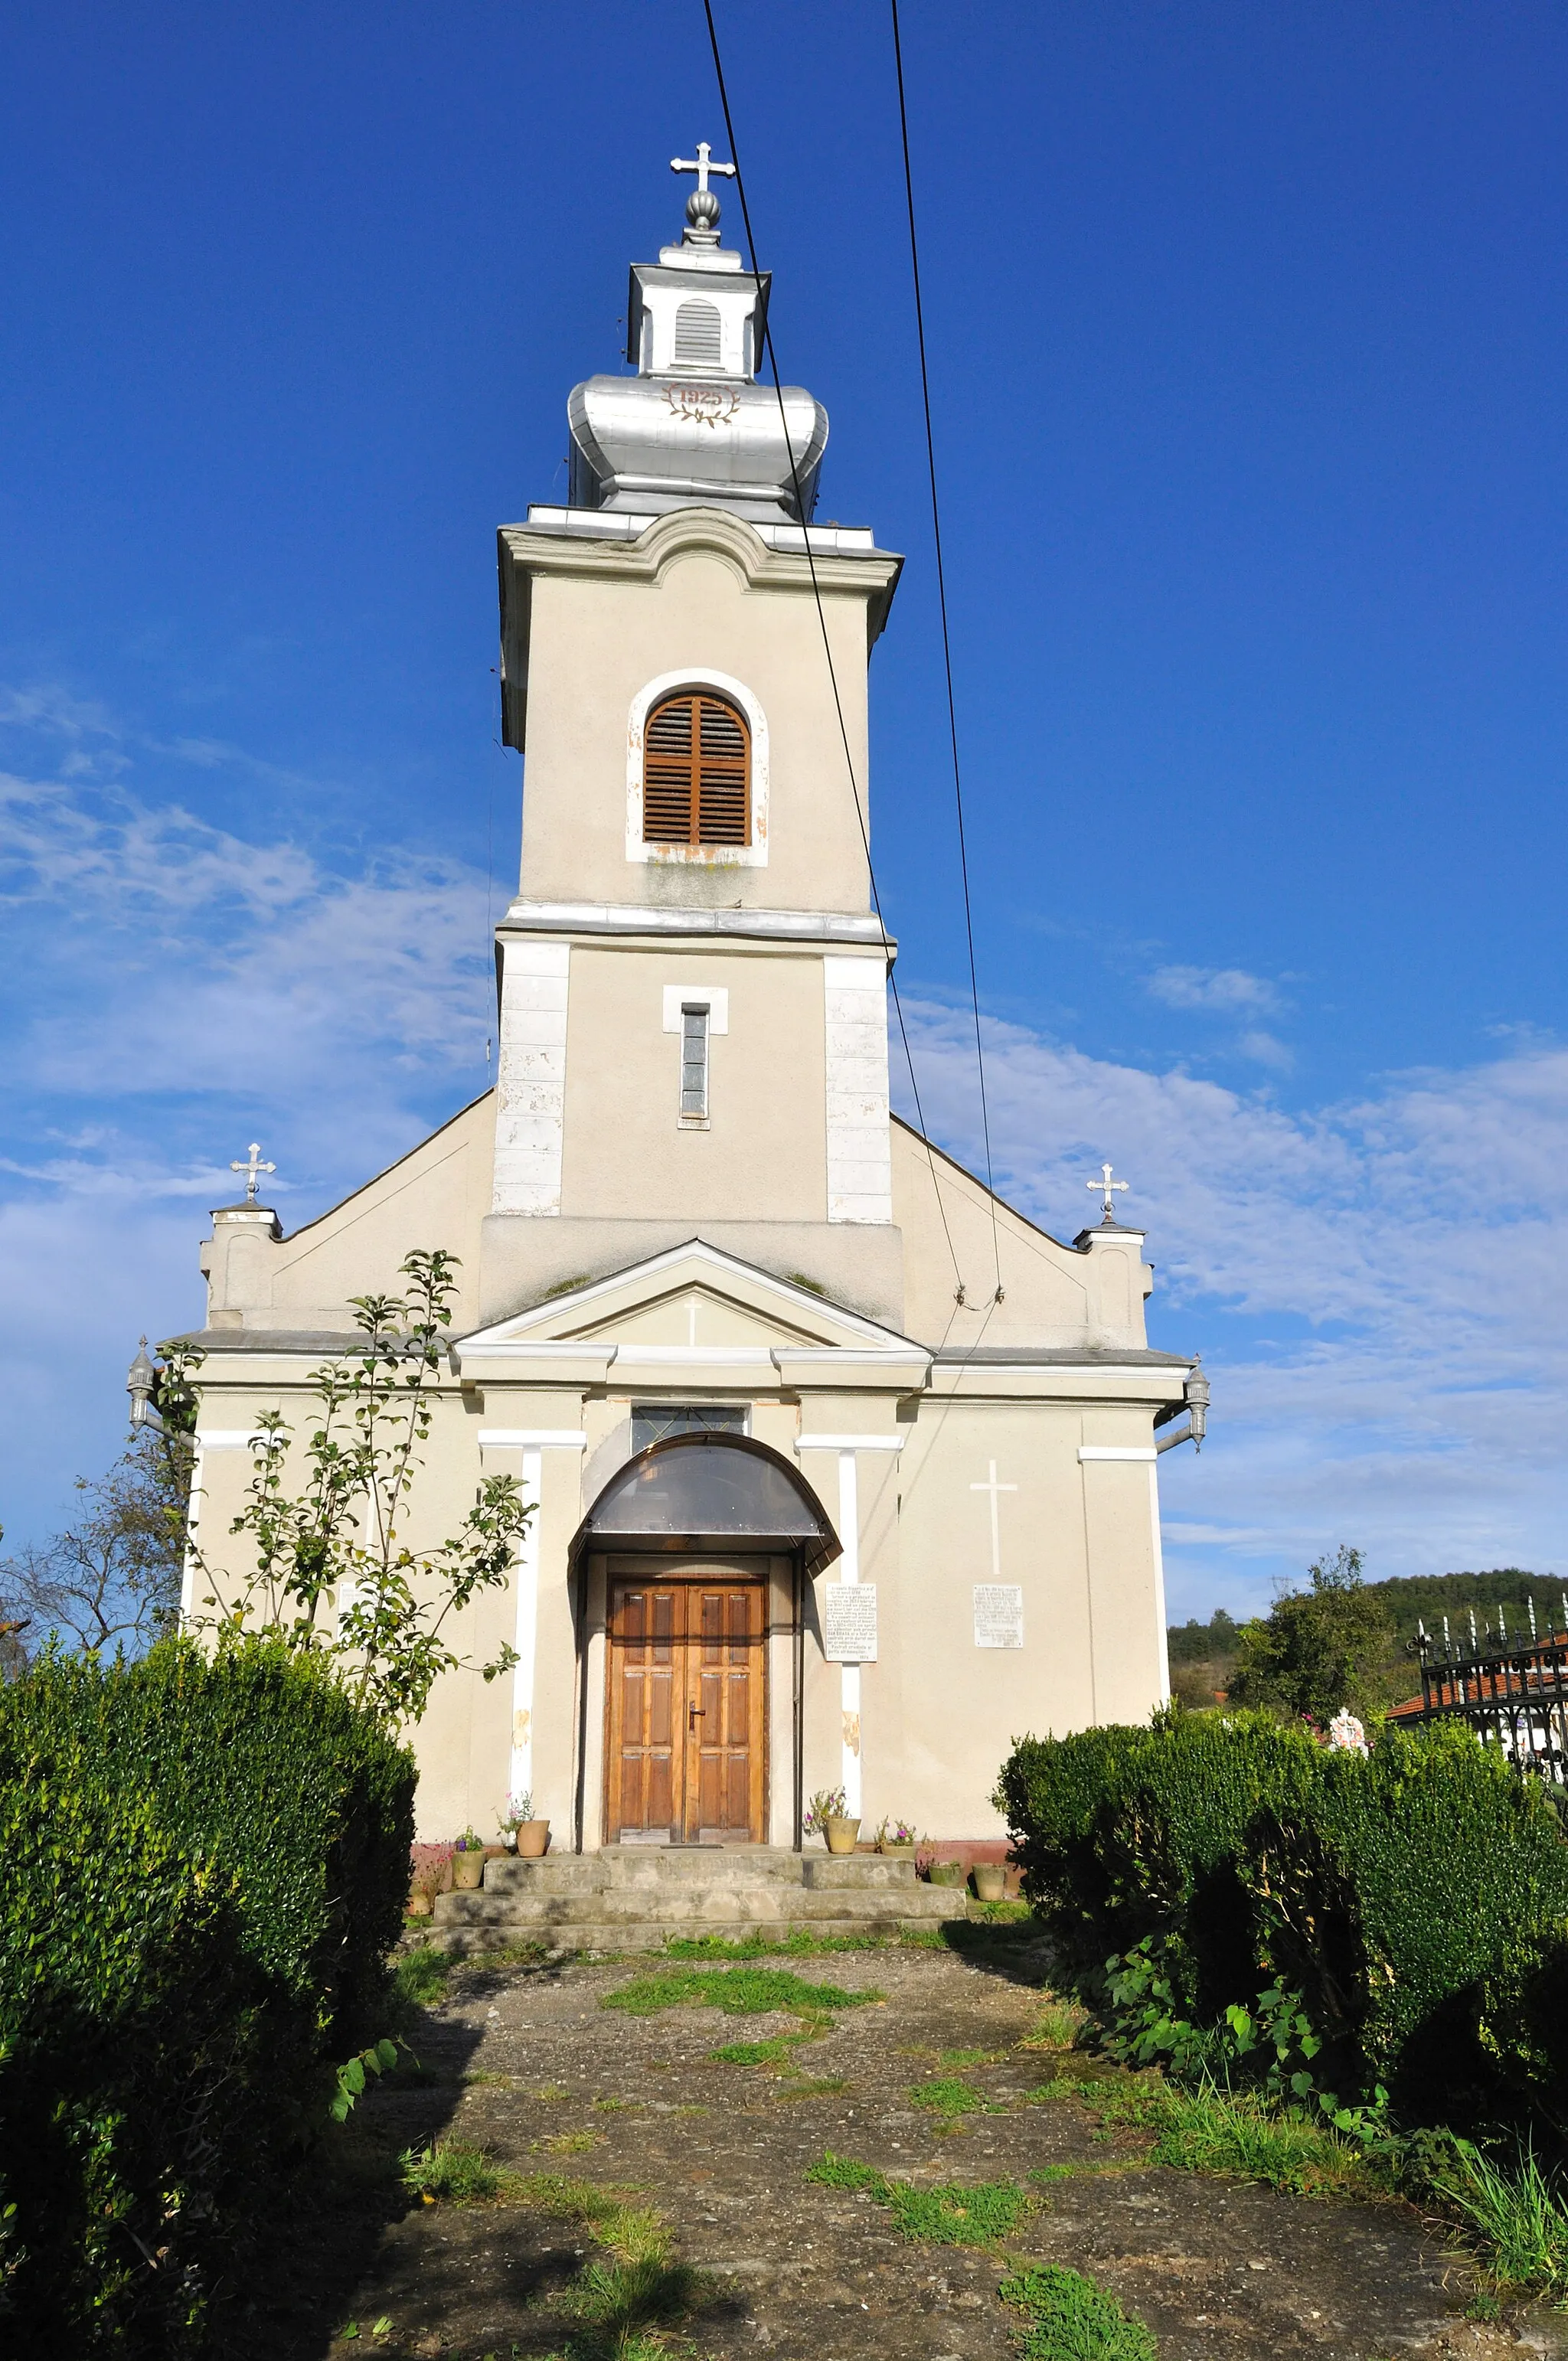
(703, 165)
(252, 1171)
(1106, 1186)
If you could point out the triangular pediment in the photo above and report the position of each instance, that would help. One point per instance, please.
(692, 1298)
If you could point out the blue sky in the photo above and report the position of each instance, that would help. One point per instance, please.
(1247, 345)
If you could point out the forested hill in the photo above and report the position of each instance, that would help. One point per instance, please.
(1428, 1597)
(1424, 1597)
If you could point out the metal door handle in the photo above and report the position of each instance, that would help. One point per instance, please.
(696, 1713)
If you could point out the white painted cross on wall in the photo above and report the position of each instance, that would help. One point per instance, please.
(995, 1490)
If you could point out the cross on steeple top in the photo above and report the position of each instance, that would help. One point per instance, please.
(1106, 1186)
(252, 1171)
(702, 166)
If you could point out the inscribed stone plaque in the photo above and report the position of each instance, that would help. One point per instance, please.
(998, 1615)
(848, 1622)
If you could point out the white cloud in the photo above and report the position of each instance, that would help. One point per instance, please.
(1223, 991)
(1380, 1291)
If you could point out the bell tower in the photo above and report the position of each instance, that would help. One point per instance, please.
(693, 1021)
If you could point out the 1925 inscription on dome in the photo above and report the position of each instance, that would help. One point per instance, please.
(707, 405)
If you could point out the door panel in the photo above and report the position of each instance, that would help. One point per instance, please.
(687, 1708)
(647, 1704)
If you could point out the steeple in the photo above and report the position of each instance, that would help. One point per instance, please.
(694, 427)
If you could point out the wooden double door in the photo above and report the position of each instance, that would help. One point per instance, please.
(686, 1761)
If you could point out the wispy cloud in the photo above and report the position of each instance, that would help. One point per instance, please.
(1380, 1289)
(1223, 991)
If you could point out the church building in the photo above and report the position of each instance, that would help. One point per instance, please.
(844, 1473)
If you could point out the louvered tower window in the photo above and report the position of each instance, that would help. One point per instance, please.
(696, 773)
(699, 333)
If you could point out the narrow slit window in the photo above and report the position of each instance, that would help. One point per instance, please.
(694, 1061)
(696, 773)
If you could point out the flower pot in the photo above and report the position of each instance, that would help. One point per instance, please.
(840, 1834)
(467, 1870)
(946, 1872)
(533, 1838)
(420, 1905)
(900, 1851)
(990, 1881)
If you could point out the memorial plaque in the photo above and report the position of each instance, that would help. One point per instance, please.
(848, 1622)
(998, 1615)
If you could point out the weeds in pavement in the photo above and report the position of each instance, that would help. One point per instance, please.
(739, 1991)
(775, 2052)
(1212, 2130)
(568, 2143)
(971, 2057)
(946, 2213)
(1519, 2217)
(1070, 2319)
(945, 2095)
(456, 2171)
(420, 1976)
(821, 2086)
(1057, 2026)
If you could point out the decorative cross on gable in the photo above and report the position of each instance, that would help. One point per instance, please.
(703, 165)
(252, 1171)
(1106, 1186)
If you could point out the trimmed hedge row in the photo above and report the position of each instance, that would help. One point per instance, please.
(1417, 1899)
(204, 1865)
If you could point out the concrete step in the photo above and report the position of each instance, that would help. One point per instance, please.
(694, 1912)
(648, 1869)
(638, 1934)
(636, 1897)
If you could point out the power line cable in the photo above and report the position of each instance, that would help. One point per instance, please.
(822, 625)
(946, 645)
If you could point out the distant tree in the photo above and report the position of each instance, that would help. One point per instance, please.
(1204, 1643)
(1320, 1648)
(112, 1578)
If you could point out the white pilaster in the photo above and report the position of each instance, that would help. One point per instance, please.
(1159, 1583)
(530, 1081)
(849, 1675)
(525, 1638)
(859, 1147)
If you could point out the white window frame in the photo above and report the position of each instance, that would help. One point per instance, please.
(753, 854)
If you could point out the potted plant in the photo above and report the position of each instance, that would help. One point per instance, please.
(827, 1815)
(467, 1863)
(895, 1835)
(530, 1837)
(990, 1881)
(424, 1887)
(946, 1872)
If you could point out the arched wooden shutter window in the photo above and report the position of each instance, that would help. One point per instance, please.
(696, 773)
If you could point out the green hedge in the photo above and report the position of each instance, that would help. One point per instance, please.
(1417, 1899)
(203, 1868)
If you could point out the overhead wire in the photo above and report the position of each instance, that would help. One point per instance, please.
(822, 625)
(947, 642)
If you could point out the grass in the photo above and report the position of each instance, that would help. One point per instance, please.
(946, 2095)
(951, 2214)
(971, 2057)
(1211, 2130)
(420, 1976)
(820, 2086)
(1056, 2027)
(800, 1942)
(456, 2173)
(775, 2052)
(1517, 2217)
(569, 2143)
(1070, 2319)
(739, 1991)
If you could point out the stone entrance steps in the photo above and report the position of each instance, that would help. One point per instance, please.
(634, 1897)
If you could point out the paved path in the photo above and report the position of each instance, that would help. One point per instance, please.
(1221, 2271)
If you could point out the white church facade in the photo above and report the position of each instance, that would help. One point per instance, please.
(845, 1473)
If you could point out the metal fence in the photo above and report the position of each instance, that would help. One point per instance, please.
(1510, 1690)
